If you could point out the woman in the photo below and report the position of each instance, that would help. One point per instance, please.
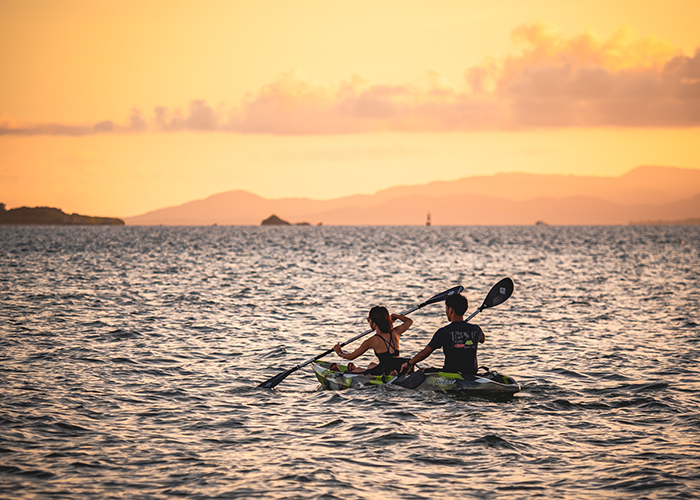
(385, 343)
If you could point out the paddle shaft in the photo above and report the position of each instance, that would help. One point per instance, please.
(474, 314)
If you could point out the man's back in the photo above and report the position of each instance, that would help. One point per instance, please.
(459, 342)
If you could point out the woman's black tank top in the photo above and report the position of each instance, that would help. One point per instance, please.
(387, 355)
(388, 361)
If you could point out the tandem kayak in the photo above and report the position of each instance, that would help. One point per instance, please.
(487, 384)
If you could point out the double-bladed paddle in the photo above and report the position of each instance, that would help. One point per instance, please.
(269, 384)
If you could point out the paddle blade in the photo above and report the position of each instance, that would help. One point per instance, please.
(442, 296)
(499, 293)
(269, 384)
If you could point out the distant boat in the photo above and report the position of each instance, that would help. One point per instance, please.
(541, 223)
(427, 220)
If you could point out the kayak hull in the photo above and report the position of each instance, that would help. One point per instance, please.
(488, 384)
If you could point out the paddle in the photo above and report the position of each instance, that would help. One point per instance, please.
(269, 384)
(499, 293)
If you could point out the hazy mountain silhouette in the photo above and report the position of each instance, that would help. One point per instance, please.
(645, 193)
(642, 185)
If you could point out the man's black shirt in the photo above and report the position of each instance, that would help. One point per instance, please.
(459, 341)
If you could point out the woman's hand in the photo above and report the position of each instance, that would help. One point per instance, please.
(338, 350)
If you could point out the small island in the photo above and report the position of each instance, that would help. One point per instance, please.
(273, 220)
(51, 217)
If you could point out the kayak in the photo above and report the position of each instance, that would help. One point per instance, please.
(488, 384)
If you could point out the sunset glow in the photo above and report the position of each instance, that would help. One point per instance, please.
(118, 108)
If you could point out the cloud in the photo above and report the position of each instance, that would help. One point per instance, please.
(136, 121)
(590, 81)
(201, 117)
(292, 105)
(553, 81)
(12, 126)
(105, 126)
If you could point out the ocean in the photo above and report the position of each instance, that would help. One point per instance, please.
(130, 359)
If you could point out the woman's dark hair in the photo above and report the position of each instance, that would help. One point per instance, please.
(381, 318)
(458, 303)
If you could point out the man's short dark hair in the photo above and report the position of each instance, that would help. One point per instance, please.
(458, 303)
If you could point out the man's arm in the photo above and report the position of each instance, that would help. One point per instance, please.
(427, 351)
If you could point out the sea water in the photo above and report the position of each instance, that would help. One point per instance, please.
(130, 359)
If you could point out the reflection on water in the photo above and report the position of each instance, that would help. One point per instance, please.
(129, 359)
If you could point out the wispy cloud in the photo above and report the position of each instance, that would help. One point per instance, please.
(554, 81)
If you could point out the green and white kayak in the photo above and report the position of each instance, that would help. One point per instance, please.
(487, 384)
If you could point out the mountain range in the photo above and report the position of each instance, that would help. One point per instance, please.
(647, 193)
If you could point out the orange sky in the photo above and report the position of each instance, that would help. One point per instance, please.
(120, 107)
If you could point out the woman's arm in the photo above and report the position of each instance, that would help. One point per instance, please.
(405, 325)
(352, 355)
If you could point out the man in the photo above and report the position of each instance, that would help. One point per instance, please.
(458, 340)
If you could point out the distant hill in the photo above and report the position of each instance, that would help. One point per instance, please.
(643, 194)
(640, 186)
(51, 216)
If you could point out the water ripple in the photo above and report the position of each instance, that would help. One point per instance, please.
(130, 358)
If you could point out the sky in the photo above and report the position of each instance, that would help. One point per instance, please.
(116, 108)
